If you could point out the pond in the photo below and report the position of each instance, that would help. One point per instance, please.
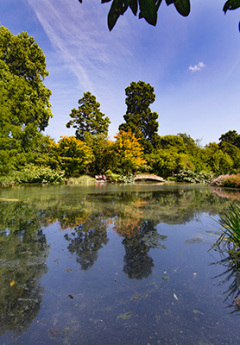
(116, 265)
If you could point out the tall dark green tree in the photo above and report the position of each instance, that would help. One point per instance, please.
(139, 118)
(88, 118)
(24, 100)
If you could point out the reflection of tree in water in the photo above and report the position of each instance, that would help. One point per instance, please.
(138, 263)
(87, 239)
(231, 277)
(23, 252)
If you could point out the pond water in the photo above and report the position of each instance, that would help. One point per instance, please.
(116, 264)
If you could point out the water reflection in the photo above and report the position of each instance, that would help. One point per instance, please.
(231, 278)
(23, 254)
(87, 238)
(86, 220)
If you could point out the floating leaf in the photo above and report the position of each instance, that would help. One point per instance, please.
(12, 283)
(165, 278)
(175, 296)
(126, 316)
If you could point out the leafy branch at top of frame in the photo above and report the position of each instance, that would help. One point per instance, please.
(148, 9)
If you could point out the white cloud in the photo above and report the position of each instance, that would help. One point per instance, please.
(197, 67)
(81, 36)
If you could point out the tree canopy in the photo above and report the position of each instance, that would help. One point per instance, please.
(148, 9)
(24, 106)
(88, 118)
(139, 118)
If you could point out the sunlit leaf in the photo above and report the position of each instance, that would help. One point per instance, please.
(148, 11)
(183, 7)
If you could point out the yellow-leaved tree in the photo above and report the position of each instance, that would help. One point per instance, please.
(129, 152)
(74, 156)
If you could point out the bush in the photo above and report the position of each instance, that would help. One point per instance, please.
(232, 181)
(35, 174)
(193, 177)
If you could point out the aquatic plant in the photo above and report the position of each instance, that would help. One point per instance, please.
(230, 222)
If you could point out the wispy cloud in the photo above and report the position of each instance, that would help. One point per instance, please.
(197, 67)
(80, 34)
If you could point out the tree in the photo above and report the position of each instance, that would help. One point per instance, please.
(74, 156)
(24, 100)
(231, 137)
(102, 153)
(148, 9)
(88, 118)
(139, 118)
(129, 152)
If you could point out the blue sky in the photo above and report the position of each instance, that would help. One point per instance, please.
(193, 63)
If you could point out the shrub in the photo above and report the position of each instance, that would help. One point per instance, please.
(232, 181)
(35, 174)
(193, 177)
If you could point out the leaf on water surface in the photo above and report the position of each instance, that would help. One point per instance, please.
(175, 296)
(125, 316)
(195, 311)
(70, 296)
(12, 283)
(165, 278)
(68, 270)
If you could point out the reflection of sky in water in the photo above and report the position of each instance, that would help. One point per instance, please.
(154, 287)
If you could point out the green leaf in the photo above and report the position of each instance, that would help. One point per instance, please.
(169, 2)
(134, 6)
(231, 5)
(183, 7)
(114, 14)
(148, 11)
(118, 7)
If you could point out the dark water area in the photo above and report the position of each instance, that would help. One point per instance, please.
(116, 265)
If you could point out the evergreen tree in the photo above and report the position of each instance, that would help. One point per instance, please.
(88, 118)
(139, 118)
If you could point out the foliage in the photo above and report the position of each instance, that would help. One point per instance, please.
(128, 151)
(88, 118)
(112, 177)
(139, 118)
(33, 174)
(102, 153)
(24, 106)
(83, 180)
(148, 9)
(74, 155)
(232, 181)
(230, 222)
(217, 161)
(231, 137)
(193, 177)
